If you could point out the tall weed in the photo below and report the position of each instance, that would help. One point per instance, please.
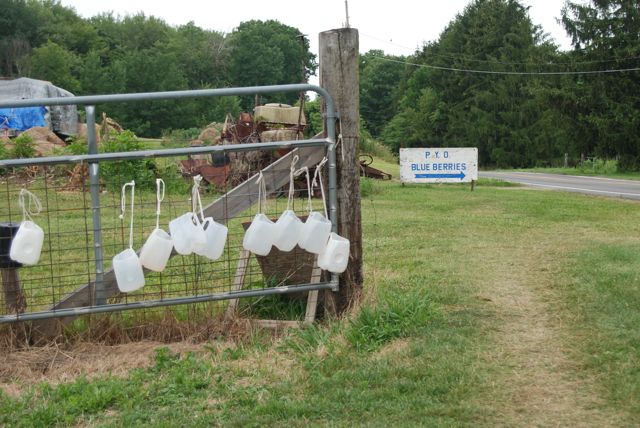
(400, 315)
(599, 166)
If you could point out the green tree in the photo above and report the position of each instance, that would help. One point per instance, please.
(108, 54)
(18, 30)
(151, 70)
(380, 76)
(56, 64)
(499, 114)
(62, 25)
(201, 54)
(313, 113)
(268, 53)
(133, 32)
(606, 35)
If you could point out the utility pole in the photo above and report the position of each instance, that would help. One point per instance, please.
(346, 10)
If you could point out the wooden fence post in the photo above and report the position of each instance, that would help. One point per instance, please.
(339, 75)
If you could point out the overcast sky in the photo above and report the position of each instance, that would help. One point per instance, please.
(398, 27)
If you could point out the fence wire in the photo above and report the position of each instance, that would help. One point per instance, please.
(67, 262)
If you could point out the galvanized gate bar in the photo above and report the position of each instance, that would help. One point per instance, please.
(173, 95)
(115, 307)
(158, 153)
(94, 189)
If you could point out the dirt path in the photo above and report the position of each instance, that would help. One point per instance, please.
(537, 384)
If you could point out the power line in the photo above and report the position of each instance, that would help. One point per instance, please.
(512, 73)
(389, 42)
(539, 64)
(465, 58)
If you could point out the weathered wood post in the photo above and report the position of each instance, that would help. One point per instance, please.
(339, 75)
(14, 298)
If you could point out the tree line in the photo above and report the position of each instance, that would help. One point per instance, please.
(105, 54)
(494, 81)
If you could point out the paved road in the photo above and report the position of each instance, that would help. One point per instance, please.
(616, 188)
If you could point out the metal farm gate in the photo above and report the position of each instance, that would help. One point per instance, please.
(83, 231)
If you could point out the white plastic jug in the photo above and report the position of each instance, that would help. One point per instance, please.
(288, 229)
(335, 255)
(186, 233)
(315, 233)
(156, 250)
(215, 239)
(27, 244)
(260, 235)
(128, 271)
(126, 264)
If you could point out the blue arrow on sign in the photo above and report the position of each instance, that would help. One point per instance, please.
(459, 175)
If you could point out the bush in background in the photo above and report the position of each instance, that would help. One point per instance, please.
(115, 174)
(23, 147)
(599, 166)
(373, 147)
(77, 147)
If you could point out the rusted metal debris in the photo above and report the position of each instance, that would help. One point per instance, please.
(366, 170)
(273, 122)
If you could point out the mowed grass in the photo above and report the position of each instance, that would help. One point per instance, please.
(603, 299)
(414, 352)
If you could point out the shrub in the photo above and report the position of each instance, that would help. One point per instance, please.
(78, 146)
(24, 147)
(373, 147)
(114, 174)
(599, 166)
(173, 180)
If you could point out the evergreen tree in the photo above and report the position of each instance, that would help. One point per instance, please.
(606, 107)
(500, 114)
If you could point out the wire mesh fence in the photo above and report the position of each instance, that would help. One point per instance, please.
(67, 262)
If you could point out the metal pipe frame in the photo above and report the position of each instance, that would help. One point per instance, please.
(94, 188)
(146, 304)
(158, 153)
(94, 158)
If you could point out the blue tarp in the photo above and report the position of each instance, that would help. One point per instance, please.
(22, 118)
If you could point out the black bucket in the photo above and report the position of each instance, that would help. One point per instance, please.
(8, 231)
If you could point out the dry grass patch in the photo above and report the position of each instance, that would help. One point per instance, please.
(54, 364)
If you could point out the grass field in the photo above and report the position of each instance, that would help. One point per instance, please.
(503, 306)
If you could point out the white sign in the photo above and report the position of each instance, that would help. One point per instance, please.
(439, 165)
